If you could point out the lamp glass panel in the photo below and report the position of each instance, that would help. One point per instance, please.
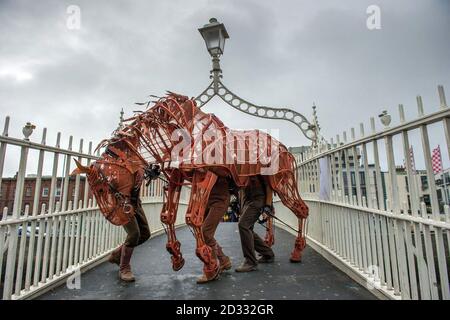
(212, 39)
(221, 41)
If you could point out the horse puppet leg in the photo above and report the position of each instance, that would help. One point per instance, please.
(202, 183)
(169, 217)
(285, 185)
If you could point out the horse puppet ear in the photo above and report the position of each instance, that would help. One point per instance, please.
(80, 169)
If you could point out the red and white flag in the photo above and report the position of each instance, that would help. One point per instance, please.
(436, 160)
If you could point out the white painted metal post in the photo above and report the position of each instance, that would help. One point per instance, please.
(14, 229)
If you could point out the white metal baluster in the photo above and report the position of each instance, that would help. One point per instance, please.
(76, 198)
(363, 238)
(428, 164)
(399, 227)
(37, 195)
(442, 263)
(336, 232)
(88, 249)
(356, 166)
(52, 223)
(3, 153)
(3, 234)
(14, 228)
(341, 174)
(65, 248)
(72, 236)
(78, 223)
(53, 187)
(95, 239)
(430, 260)
(379, 182)
(396, 244)
(64, 223)
(343, 232)
(352, 237)
(348, 171)
(39, 261)
(21, 257)
(102, 235)
(83, 226)
(374, 246)
(414, 196)
(56, 240)
(65, 191)
(86, 184)
(411, 262)
(348, 232)
(386, 252)
(334, 178)
(360, 240)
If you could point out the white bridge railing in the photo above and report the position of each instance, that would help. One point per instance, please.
(378, 217)
(51, 227)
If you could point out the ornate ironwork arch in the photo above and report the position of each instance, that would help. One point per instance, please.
(217, 88)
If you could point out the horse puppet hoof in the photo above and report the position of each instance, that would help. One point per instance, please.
(178, 265)
(295, 260)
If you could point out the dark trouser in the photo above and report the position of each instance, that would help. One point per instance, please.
(137, 229)
(218, 202)
(252, 200)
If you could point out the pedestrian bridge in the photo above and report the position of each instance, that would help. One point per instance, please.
(369, 234)
(314, 278)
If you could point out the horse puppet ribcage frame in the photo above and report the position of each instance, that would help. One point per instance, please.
(194, 148)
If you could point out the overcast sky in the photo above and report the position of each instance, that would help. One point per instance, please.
(280, 53)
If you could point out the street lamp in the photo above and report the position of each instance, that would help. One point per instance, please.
(215, 34)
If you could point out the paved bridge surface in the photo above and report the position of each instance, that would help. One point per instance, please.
(314, 278)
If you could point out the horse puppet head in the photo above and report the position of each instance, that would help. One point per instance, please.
(115, 179)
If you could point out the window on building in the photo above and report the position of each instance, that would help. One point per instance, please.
(426, 199)
(58, 192)
(45, 192)
(447, 178)
(28, 192)
(424, 181)
(352, 176)
(362, 178)
(406, 184)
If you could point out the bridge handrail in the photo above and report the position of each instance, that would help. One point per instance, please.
(45, 240)
(368, 220)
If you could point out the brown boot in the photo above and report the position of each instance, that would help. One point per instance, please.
(204, 278)
(125, 273)
(246, 267)
(114, 257)
(224, 260)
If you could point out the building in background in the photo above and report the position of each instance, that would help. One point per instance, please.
(443, 187)
(369, 184)
(8, 189)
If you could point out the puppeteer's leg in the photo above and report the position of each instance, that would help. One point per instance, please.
(169, 217)
(138, 232)
(202, 183)
(219, 199)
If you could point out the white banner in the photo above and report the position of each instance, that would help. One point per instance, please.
(325, 179)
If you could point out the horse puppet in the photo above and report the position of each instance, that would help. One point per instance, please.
(191, 148)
